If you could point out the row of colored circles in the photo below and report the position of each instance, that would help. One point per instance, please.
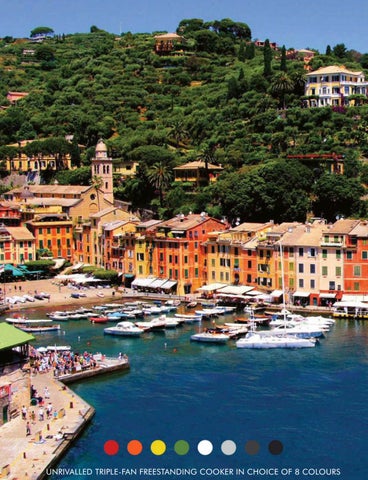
(182, 447)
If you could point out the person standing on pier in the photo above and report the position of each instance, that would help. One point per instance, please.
(28, 429)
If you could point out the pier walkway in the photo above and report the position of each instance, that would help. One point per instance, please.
(26, 457)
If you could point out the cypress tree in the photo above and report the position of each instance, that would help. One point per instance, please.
(283, 66)
(267, 57)
(241, 53)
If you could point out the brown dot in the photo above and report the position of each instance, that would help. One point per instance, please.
(252, 447)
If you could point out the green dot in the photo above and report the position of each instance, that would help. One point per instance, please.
(181, 447)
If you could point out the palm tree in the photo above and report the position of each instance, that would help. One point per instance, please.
(207, 154)
(160, 176)
(282, 84)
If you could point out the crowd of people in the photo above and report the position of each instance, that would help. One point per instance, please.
(62, 363)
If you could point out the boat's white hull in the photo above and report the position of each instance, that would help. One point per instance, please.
(256, 341)
(210, 338)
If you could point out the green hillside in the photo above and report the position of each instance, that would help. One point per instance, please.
(217, 97)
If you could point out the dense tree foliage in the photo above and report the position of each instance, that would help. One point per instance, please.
(216, 97)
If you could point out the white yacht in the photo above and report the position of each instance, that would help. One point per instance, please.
(125, 329)
(254, 340)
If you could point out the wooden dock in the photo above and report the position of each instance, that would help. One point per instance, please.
(104, 366)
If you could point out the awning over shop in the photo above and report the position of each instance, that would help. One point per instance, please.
(299, 293)
(327, 295)
(157, 283)
(169, 284)
(254, 293)
(16, 272)
(276, 293)
(235, 289)
(355, 298)
(59, 262)
(78, 266)
(211, 287)
(143, 282)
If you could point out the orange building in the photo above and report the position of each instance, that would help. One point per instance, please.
(356, 260)
(53, 232)
(175, 250)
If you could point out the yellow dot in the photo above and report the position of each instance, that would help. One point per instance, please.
(158, 447)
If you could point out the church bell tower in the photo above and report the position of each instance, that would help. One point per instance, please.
(102, 168)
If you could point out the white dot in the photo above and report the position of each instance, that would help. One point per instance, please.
(205, 447)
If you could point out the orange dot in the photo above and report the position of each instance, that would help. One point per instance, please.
(134, 447)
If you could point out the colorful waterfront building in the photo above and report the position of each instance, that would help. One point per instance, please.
(90, 244)
(335, 85)
(9, 215)
(21, 245)
(232, 254)
(53, 233)
(176, 250)
(302, 263)
(333, 245)
(355, 258)
(115, 236)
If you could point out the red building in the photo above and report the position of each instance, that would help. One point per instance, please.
(180, 252)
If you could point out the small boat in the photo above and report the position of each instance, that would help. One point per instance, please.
(187, 318)
(38, 328)
(191, 304)
(154, 325)
(210, 336)
(124, 329)
(35, 326)
(257, 341)
(99, 319)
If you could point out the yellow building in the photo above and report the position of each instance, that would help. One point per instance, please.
(232, 254)
(335, 86)
(22, 245)
(197, 173)
(36, 163)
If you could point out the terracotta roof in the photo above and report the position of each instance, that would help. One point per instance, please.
(198, 164)
(54, 189)
(304, 235)
(149, 223)
(361, 230)
(333, 69)
(168, 36)
(343, 226)
(20, 233)
(183, 223)
(250, 227)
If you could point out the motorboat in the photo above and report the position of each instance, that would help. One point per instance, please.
(210, 336)
(257, 341)
(188, 318)
(99, 319)
(191, 304)
(299, 330)
(153, 325)
(125, 329)
(35, 326)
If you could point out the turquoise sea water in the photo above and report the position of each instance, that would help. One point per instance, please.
(312, 400)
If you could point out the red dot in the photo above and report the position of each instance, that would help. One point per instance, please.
(111, 447)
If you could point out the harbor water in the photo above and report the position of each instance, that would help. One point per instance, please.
(311, 401)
